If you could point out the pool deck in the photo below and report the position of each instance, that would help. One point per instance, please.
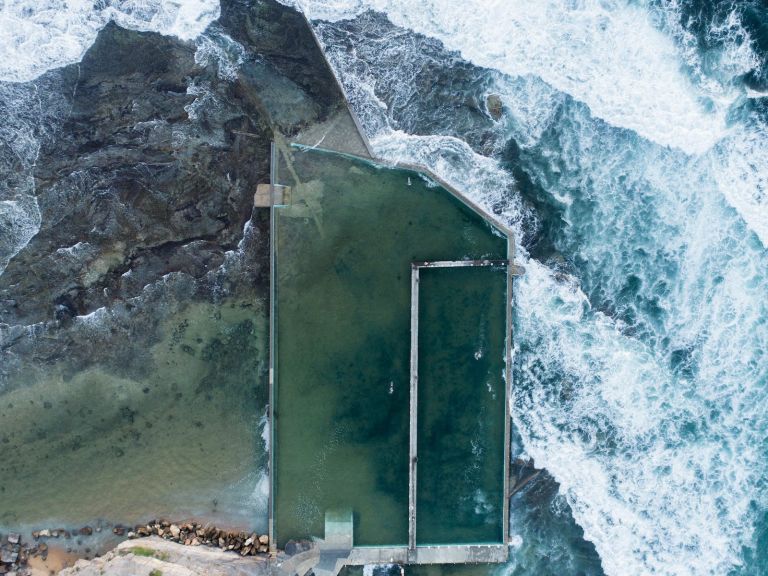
(328, 556)
(414, 408)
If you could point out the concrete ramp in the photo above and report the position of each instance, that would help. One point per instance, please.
(339, 530)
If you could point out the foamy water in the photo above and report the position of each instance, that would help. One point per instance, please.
(36, 36)
(609, 55)
(633, 68)
(640, 380)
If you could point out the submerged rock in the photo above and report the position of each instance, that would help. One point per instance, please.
(494, 105)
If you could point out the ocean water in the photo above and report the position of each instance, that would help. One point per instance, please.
(631, 159)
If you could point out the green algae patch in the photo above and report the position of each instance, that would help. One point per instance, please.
(182, 441)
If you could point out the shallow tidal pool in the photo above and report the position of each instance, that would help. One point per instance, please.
(96, 447)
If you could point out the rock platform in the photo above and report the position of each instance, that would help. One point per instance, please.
(155, 556)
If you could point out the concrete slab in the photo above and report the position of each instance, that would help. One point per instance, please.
(470, 554)
(263, 196)
(339, 133)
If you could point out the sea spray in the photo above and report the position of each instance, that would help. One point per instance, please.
(640, 335)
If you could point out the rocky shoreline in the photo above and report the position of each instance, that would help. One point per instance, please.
(16, 552)
(194, 534)
(136, 307)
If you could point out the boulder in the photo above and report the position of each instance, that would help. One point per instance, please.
(494, 105)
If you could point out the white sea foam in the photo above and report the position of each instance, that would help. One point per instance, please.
(740, 167)
(38, 35)
(455, 162)
(714, 70)
(653, 500)
(19, 222)
(218, 48)
(28, 117)
(659, 465)
(607, 54)
(634, 69)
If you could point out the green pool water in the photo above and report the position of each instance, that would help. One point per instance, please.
(343, 253)
(461, 405)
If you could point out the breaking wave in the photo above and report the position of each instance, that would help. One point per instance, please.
(36, 36)
(635, 66)
(641, 323)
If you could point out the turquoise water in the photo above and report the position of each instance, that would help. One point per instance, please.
(344, 253)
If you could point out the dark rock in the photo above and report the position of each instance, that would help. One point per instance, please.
(147, 170)
(494, 106)
(8, 556)
(293, 547)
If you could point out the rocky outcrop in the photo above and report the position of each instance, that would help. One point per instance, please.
(155, 556)
(142, 161)
(150, 151)
(195, 534)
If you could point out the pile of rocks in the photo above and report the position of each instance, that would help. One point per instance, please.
(14, 554)
(193, 534)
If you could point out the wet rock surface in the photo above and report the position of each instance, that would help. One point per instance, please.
(150, 150)
(433, 91)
